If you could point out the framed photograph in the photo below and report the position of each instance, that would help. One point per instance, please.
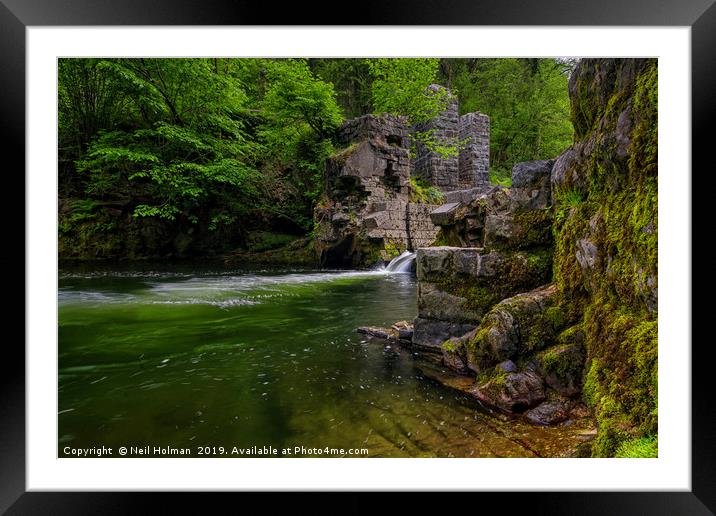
(414, 253)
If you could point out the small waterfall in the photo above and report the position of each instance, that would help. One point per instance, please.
(402, 263)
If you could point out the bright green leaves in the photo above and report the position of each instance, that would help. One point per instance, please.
(526, 99)
(295, 98)
(400, 87)
(184, 141)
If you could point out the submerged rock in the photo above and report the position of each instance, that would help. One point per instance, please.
(549, 412)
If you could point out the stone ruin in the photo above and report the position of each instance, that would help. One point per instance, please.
(368, 214)
(470, 133)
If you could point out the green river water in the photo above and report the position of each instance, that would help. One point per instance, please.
(237, 359)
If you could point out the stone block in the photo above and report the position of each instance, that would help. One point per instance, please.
(445, 214)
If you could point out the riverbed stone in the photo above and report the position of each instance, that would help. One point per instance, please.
(405, 329)
(550, 412)
(511, 392)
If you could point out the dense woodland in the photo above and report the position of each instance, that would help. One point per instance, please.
(198, 157)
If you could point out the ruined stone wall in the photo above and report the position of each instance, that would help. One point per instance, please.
(433, 168)
(498, 244)
(392, 130)
(369, 216)
(474, 158)
(469, 169)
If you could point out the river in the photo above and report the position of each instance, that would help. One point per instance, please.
(192, 358)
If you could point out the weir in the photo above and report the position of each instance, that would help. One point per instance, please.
(402, 263)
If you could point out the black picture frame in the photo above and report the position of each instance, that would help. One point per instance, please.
(700, 15)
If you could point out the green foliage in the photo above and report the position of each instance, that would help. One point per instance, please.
(392, 249)
(423, 192)
(351, 80)
(296, 99)
(526, 99)
(223, 147)
(501, 176)
(301, 115)
(399, 86)
(83, 209)
(640, 448)
(570, 198)
(188, 145)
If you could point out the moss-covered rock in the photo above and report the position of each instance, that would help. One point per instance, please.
(511, 392)
(562, 366)
(605, 194)
(515, 329)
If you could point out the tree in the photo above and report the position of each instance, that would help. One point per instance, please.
(301, 116)
(527, 101)
(183, 147)
(399, 87)
(351, 80)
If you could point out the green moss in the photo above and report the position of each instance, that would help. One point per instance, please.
(300, 251)
(259, 241)
(341, 156)
(555, 317)
(590, 389)
(393, 248)
(450, 346)
(423, 192)
(493, 375)
(501, 177)
(447, 237)
(478, 353)
(643, 155)
(560, 360)
(640, 448)
(532, 228)
(518, 272)
(620, 200)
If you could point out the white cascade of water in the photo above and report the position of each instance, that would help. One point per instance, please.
(402, 263)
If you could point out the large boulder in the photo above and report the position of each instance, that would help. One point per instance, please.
(531, 188)
(562, 365)
(515, 328)
(511, 392)
(550, 412)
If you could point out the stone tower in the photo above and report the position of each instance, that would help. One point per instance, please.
(474, 159)
(471, 132)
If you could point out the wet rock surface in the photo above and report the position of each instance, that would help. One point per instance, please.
(512, 392)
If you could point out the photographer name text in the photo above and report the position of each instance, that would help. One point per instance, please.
(211, 451)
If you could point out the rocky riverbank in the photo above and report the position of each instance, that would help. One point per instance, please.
(540, 300)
